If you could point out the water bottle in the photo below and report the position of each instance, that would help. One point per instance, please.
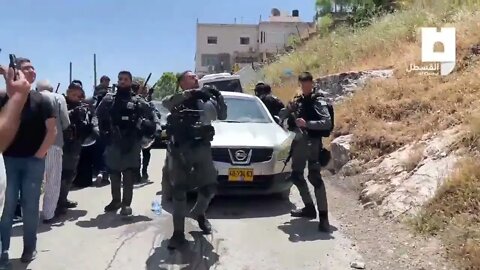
(157, 205)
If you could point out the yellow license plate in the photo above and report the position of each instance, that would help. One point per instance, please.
(240, 175)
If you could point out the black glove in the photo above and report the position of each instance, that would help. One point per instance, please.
(211, 90)
(201, 95)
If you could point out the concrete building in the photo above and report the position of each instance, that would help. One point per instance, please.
(220, 47)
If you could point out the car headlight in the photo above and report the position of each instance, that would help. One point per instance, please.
(284, 150)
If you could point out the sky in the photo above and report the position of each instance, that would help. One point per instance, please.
(141, 36)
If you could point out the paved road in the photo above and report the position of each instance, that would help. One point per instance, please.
(249, 233)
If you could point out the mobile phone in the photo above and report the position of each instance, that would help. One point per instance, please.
(13, 61)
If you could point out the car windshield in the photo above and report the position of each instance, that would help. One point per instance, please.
(227, 85)
(242, 110)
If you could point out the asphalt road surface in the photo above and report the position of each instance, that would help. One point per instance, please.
(249, 233)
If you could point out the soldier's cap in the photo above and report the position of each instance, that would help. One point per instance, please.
(44, 85)
(104, 77)
(75, 85)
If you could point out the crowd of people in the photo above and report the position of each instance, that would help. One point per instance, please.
(65, 140)
(55, 141)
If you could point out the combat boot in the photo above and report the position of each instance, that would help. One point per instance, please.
(308, 211)
(177, 240)
(126, 211)
(144, 175)
(324, 224)
(113, 206)
(204, 224)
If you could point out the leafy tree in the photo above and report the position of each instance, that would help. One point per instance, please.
(166, 85)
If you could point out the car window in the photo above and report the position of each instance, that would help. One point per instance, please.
(227, 86)
(241, 110)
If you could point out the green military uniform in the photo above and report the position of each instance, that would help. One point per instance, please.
(123, 119)
(305, 149)
(190, 164)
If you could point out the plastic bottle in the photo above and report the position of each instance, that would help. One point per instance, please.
(157, 205)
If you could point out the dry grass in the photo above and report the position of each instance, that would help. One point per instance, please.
(453, 214)
(390, 113)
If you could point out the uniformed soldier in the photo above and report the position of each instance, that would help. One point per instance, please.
(273, 103)
(190, 163)
(124, 119)
(83, 125)
(143, 93)
(98, 149)
(312, 122)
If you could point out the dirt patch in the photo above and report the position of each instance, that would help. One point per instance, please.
(384, 243)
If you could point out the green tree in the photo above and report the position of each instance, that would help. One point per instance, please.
(166, 85)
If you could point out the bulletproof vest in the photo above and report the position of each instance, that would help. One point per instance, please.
(273, 104)
(125, 114)
(306, 110)
(184, 126)
(80, 122)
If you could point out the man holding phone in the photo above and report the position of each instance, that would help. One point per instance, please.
(10, 118)
(25, 163)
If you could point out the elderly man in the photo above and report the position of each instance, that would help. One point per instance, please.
(53, 161)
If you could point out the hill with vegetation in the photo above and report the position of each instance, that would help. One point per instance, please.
(388, 114)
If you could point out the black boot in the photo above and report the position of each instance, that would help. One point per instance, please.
(144, 175)
(126, 211)
(204, 224)
(308, 211)
(113, 206)
(177, 240)
(324, 224)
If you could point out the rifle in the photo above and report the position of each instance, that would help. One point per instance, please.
(295, 115)
(150, 92)
(146, 81)
(58, 86)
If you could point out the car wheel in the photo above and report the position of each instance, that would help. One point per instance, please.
(284, 195)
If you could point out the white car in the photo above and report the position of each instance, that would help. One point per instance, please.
(249, 149)
(223, 82)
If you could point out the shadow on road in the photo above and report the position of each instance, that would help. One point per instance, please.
(223, 207)
(197, 255)
(111, 220)
(16, 264)
(300, 230)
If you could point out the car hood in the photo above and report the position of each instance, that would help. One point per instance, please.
(248, 135)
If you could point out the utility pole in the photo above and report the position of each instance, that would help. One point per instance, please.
(70, 72)
(94, 70)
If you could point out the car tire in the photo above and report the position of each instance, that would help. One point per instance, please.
(284, 195)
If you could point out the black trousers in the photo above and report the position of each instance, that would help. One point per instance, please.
(128, 178)
(85, 168)
(146, 158)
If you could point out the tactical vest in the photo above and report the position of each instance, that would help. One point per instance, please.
(306, 110)
(184, 126)
(125, 115)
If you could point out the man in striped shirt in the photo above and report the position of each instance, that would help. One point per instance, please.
(53, 161)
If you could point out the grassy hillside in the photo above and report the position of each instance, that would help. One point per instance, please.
(390, 113)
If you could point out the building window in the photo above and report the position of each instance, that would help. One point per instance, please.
(244, 40)
(262, 37)
(211, 40)
(209, 60)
